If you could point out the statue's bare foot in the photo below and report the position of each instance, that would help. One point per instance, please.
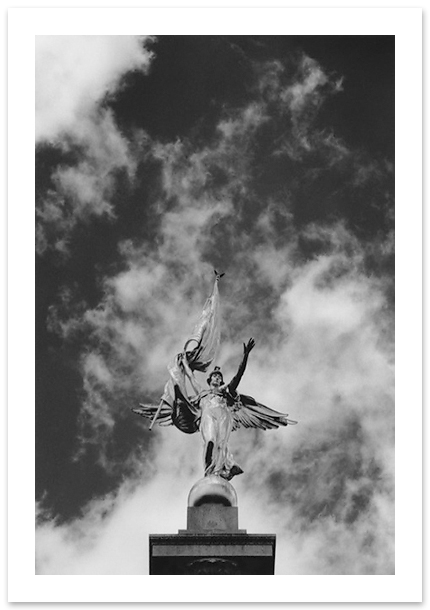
(229, 474)
(235, 470)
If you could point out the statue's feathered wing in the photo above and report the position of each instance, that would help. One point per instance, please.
(164, 417)
(248, 413)
(181, 413)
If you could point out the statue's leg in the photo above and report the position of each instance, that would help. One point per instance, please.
(208, 456)
(207, 430)
(229, 467)
(222, 433)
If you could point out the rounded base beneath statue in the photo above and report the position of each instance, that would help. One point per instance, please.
(212, 490)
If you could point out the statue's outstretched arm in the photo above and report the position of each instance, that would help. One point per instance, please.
(236, 379)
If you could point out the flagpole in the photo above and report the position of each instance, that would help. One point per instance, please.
(157, 413)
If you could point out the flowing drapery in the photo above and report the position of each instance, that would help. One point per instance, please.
(200, 349)
(205, 338)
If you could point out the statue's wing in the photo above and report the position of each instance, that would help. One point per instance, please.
(249, 413)
(164, 417)
(183, 414)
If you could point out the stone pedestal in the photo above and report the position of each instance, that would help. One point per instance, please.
(212, 542)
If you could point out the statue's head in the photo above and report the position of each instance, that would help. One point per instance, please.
(215, 378)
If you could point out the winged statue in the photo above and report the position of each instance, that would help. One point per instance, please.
(214, 411)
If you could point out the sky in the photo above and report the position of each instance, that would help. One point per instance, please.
(159, 159)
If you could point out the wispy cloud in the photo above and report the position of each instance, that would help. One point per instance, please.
(326, 483)
(74, 76)
(75, 73)
(299, 284)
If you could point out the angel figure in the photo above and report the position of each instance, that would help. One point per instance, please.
(215, 411)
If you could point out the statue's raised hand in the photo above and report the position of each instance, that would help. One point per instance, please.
(249, 346)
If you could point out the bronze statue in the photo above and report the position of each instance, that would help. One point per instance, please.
(217, 410)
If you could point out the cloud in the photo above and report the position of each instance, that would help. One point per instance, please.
(75, 73)
(300, 285)
(111, 535)
(74, 76)
(327, 483)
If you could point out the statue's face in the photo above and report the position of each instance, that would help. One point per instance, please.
(216, 380)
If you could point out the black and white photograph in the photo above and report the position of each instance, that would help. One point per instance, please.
(215, 261)
(158, 161)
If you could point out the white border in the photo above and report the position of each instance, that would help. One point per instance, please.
(24, 24)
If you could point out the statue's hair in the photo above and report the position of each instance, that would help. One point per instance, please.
(216, 370)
